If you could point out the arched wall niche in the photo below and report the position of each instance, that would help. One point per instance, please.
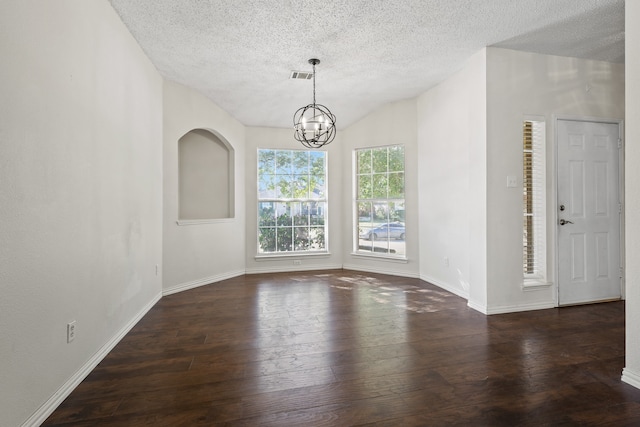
(206, 184)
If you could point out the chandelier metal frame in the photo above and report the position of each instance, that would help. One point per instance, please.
(314, 124)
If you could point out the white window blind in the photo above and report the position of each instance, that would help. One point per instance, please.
(534, 196)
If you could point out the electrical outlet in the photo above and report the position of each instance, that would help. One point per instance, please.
(297, 262)
(71, 331)
(446, 261)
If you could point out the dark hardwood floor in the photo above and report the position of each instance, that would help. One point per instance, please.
(340, 348)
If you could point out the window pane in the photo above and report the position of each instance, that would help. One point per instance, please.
(301, 242)
(380, 213)
(379, 160)
(316, 213)
(364, 161)
(317, 163)
(316, 238)
(365, 219)
(396, 211)
(283, 214)
(266, 214)
(267, 187)
(316, 187)
(396, 159)
(380, 186)
(284, 186)
(364, 187)
(365, 214)
(396, 185)
(300, 214)
(300, 187)
(283, 162)
(267, 239)
(266, 162)
(284, 236)
(301, 162)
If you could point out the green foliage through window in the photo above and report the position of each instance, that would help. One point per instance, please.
(292, 201)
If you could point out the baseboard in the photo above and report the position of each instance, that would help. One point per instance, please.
(368, 269)
(293, 268)
(521, 307)
(484, 309)
(459, 292)
(477, 307)
(631, 378)
(65, 390)
(201, 282)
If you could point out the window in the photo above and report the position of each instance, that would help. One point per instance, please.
(379, 197)
(533, 184)
(292, 201)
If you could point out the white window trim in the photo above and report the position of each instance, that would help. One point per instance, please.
(275, 255)
(364, 254)
(262, 256)
(538, 279)
(383, 257)
(182, 222)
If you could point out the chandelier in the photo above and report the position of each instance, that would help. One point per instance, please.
(314, 125)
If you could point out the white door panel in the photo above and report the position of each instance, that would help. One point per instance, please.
(588, 215)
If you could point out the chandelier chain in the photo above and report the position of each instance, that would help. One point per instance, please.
(314, 83)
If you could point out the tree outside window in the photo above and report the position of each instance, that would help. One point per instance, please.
(292, 201)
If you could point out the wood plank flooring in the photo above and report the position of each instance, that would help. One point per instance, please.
(342, 348)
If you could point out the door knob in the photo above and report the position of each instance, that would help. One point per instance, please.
(565, 221)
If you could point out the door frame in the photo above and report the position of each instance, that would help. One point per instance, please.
(552, 208)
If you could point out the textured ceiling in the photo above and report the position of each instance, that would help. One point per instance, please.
(239, 53)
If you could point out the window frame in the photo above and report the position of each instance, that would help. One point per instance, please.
(292, 201)
(534, 254)
(389, 199)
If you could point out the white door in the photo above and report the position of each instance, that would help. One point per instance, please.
(588, 212)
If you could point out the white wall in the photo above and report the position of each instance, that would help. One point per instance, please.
(519, 84)
(452, 180)
(469, 141)
(392, 124)
(259, 137)
(80, 195)
(199, 254)
(631, 372)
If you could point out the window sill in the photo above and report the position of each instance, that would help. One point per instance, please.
(281, 255)
(203, 221)
(389, 258)
(535, 284)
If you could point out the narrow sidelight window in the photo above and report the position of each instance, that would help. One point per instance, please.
(533, 183)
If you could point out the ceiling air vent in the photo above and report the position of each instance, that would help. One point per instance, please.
(301, 75)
